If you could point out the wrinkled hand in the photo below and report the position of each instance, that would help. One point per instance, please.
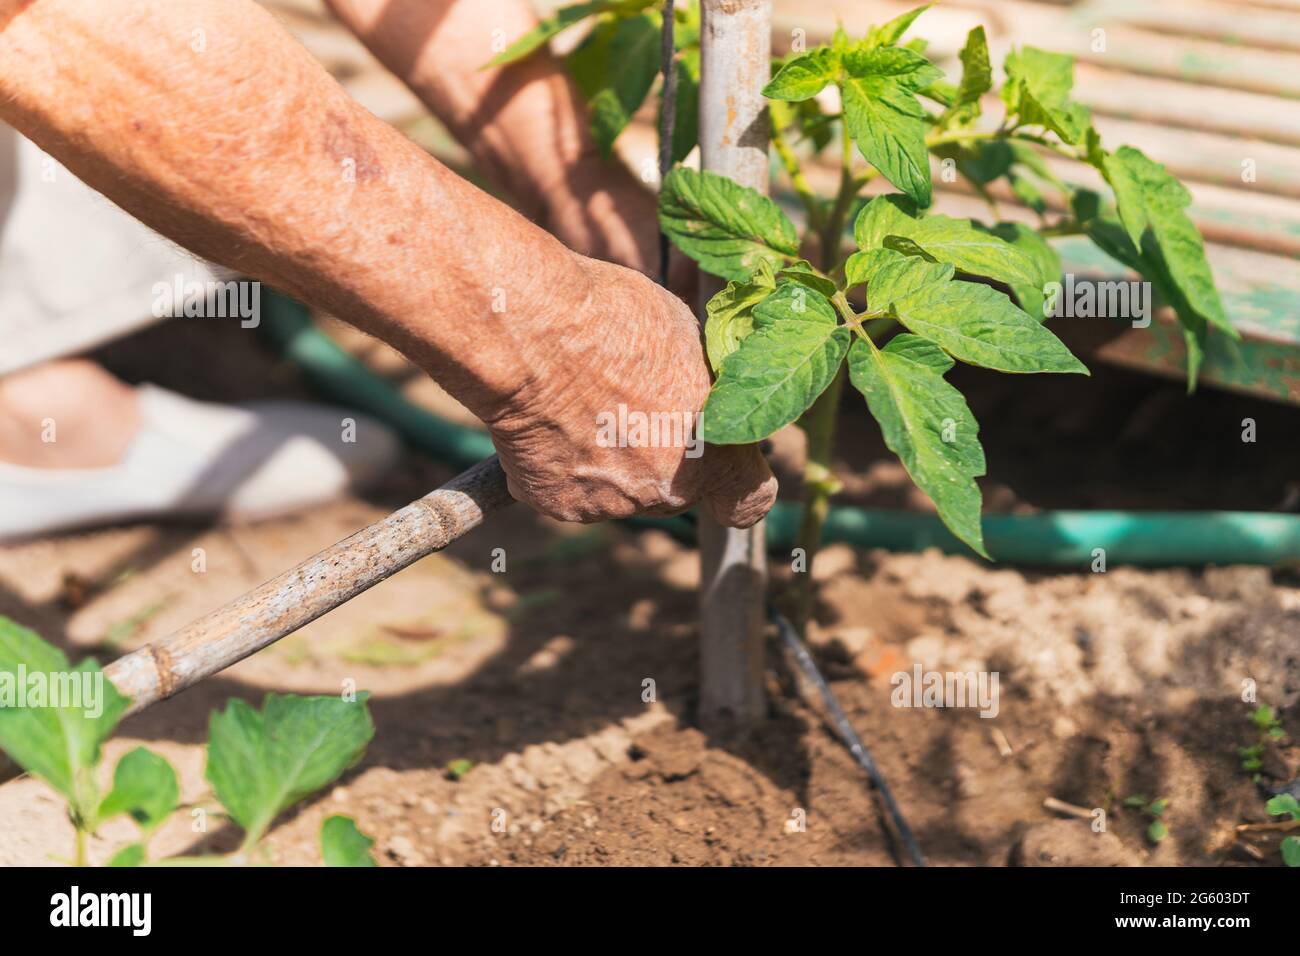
(577, 442)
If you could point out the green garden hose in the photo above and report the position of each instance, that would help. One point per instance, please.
(1076, 539)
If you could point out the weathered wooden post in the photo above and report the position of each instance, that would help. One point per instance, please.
(735, 54)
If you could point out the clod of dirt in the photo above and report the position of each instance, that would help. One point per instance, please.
(1070, 843)
(675, 756)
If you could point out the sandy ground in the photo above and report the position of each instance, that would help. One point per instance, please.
(1111, 684)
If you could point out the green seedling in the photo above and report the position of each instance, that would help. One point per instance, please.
(1285, 805)
(259, 762)
(918, 292)
(342, 844)
(1270, 728)
(1157, 829)
(456, 769)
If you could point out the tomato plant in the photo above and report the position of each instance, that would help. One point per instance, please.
(918, 291)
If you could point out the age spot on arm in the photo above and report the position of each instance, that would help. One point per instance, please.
(357, 159)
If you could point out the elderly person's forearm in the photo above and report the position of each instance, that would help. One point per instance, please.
(207, 121)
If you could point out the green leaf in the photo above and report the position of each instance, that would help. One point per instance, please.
(804, 76)
(926, 423)
(1151, 204)
(727, 228)
(342, 844)
(559, 21)
(1111, 237)
(779, 370)
(806, 117)
(801, 271)
(686, 116)
(882, 216)
(840, 41)
(730, 314)
(976, 70)
(1158, 806)
(262, 762)
(1290, 848)
(1283, 803)
(957, 242)
(144, 785)
(133, 854)
(942, 92)
(884, 117)
(61, 745)
(1038, 92)
(1157, 831)
(1044, 258)
(588, 63)
(686, 33)
(971, 322)
(631, 65)
(1262, 716)
(891, 32)
(887, 272)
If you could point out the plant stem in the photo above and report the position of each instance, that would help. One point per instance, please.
(818, 422)
(850, 185)
(819, 484)
(80, 859)
(1066, 227)
(797, 179)
(964, 135)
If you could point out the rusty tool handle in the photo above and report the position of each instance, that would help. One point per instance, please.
(321, 583)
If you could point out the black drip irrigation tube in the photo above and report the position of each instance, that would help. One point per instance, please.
(850, 736)
(1065, 539)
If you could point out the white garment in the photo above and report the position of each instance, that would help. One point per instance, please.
(192, 459)
(75, 270)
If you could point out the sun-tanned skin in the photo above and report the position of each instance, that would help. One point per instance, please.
(249, 154)
(525, 125)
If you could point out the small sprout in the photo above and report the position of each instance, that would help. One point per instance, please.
(1270, 728)
(456, 769)
(1157, 829)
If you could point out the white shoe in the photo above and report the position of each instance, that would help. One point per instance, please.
(193, 459)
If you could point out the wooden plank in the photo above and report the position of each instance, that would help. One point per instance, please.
(1205, 19)
(1172, 103)
(1248, 7)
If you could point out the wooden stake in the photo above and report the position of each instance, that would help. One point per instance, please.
(735, 55)
(300, 595)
